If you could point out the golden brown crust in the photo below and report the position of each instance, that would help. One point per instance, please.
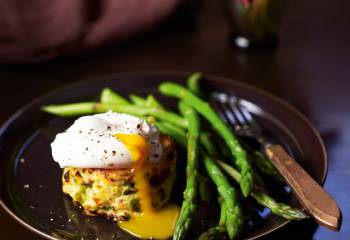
(112, 192)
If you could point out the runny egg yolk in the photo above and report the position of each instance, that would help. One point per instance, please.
(151, 223)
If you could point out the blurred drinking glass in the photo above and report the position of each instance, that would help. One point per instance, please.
(254, 23)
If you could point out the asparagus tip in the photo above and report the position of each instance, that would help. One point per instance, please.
(47, 108)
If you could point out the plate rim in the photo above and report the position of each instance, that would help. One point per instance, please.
(225, 80)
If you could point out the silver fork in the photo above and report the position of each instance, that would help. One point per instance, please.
(232, 112)
(316, 201)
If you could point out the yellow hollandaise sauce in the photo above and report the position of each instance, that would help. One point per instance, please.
(151, 223)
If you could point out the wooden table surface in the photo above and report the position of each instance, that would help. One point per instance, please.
(310, 69)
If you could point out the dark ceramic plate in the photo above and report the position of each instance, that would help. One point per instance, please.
(30, 187)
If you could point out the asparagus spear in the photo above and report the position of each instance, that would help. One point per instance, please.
(239, 154)
(175, 132)
(213, 152)
(218, 231)
(109, 96)
(233, 210)
(262, 198)
(189, 204)
(214, 233)
(223, 186)
(137, 100)
(151, 101)
(258, 159)
(266, 166)
(227, 192)
(193, 86)
(193, 83)
(73, 109)
(263, 164)
(205, 188)
(208, 145)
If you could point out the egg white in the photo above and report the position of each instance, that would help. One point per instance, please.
(90, 141)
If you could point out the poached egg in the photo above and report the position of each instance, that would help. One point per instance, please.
(107, 140)
(115, 141)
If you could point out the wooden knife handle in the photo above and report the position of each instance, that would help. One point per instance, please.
(316, 201)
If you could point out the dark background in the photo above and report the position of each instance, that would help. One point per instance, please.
(310, 69)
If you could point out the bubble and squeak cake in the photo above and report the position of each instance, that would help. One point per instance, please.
(119, 166)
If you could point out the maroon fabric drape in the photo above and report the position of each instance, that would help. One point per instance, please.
(34, 30)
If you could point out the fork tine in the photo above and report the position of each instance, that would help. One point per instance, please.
(229, 115)
(217, 107)
(246, 114)
(250, 119)
(219, 97)
(220, 102)
(236, 111)
(226, 113)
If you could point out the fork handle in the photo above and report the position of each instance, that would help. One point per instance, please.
(316, 201)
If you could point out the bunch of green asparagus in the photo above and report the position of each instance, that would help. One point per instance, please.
(185, 128)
